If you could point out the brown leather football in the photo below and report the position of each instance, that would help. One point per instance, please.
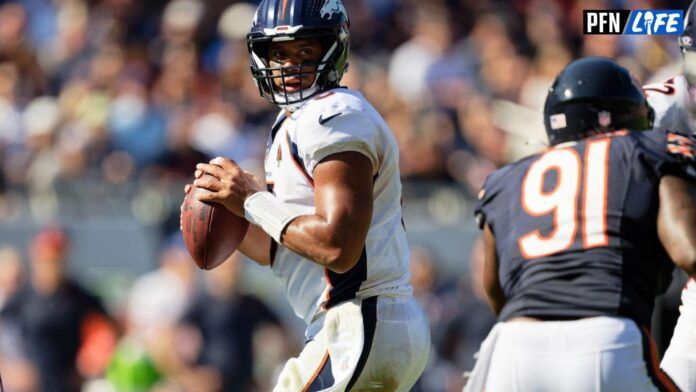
(211, 232)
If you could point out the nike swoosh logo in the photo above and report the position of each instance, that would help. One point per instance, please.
(323, 120)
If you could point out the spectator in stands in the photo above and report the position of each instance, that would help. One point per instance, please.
(410, 62)
(227, 321)
(57, 317)
(11, 273)
(145, 358)
(469, 319)
(19, 374)
(159, 298)
(15, 49)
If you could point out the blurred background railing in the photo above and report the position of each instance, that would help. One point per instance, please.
(117, 232)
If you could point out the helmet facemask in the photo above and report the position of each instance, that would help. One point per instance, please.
(326, 72)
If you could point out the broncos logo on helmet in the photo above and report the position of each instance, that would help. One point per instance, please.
(332, 7)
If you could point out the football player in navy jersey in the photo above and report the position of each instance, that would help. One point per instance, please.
(581, 238)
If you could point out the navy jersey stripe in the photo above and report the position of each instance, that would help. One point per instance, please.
(344, 287)
(274, 131)
(297, 160)
(661, 380)
(368, 309)
(274, 245)
(323, 378)
(273, 250)
(275, 128)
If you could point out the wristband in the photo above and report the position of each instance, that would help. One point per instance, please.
(269, 213)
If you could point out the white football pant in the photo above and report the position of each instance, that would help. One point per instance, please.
(376, 344)
(605, 354)
(680, 359)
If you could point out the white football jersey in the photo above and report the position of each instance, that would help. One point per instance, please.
(337, 121)
(679, 360)
(670, 100)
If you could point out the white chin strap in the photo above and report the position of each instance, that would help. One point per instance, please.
(298, 99)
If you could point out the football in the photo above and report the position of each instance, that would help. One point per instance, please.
(211, 232)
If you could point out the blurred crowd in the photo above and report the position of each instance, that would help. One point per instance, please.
(182, 330)
(117, 91)
(175, 330)
(121, 92)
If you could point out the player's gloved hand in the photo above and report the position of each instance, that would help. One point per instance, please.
(226, 183)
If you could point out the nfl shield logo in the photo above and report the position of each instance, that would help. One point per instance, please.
(558, 121)
(604, 118)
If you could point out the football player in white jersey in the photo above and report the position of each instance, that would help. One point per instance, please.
(329, 225)
(674, 102)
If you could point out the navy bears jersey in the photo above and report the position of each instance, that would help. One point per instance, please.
(575, 226)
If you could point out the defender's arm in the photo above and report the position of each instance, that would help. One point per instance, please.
(496, 297)
(676, 221)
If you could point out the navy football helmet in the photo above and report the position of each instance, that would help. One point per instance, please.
(284, 20)
(594, 95)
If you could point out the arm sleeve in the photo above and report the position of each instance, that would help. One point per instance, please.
(347, 131)
(672, 153)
